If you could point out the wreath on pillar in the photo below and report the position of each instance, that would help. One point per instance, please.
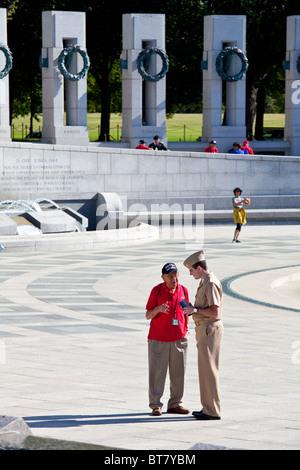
(65, 58)
(8, 57)
(143, 61)
(222, 63)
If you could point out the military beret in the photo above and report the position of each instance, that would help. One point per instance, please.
(194, 258)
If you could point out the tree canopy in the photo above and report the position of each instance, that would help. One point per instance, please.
(266, 42)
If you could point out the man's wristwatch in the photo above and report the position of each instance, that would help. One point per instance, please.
(195, 311)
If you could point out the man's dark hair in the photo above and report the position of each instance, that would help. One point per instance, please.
(202, 264)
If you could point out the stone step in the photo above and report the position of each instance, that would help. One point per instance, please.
(213, 215)
(261, 201)
(255, 215)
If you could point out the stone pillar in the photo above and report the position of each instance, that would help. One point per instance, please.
(221, 31)
(60, 95)
(143, 102)
(292, 85)
(5, 130)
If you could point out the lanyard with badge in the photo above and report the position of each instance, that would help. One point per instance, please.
(175, 320)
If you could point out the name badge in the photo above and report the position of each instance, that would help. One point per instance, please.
(175, 321)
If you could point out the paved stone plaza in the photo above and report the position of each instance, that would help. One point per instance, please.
(73, 344)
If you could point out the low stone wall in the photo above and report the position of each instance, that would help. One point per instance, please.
(78, 241)
(78, 174)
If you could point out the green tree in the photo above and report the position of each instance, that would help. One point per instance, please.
(10, 5)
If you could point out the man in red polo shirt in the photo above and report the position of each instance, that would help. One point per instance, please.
(167, 341)
(142, 145)
(212, 147)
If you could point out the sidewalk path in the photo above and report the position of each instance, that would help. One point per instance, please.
(73, 348)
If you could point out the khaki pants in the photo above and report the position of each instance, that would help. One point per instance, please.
(161, 356)
(209, 337)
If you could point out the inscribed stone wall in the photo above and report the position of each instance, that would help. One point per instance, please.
(30, 171)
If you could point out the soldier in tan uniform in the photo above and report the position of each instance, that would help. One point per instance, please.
(207, 315)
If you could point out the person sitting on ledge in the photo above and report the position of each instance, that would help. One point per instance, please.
(142, 145)
(237, 149)
(156, 144)
(246, 147)
(212, 147)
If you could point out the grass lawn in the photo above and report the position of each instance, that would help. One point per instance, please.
(181, 127)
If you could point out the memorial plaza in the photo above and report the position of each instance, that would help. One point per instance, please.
(73, 338)
(73, 332)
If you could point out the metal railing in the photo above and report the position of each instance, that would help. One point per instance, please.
(22, 132)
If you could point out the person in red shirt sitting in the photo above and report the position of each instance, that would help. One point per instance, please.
(142, 145)
(167, 341)
(246, 147)
(212, 147)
